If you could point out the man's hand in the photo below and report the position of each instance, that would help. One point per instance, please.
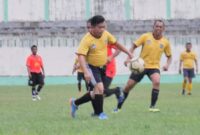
(165, 67)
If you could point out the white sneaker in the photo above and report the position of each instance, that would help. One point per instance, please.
(38, 97)
(34, 98)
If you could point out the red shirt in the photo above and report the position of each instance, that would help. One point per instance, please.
(111, 66)
(34, 62)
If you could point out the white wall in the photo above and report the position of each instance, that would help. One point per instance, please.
(148, 9)
(34, 10)
(1, 10)
(25, 10)
(185, 9)
(59, 60)
(67, 9)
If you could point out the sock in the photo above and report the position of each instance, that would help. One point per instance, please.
(119, 106)
(86, 86)
(94, 106)
(79, 86)
(85, 98)
(39, 88)
(33, 91)
(109, 92)
(154, 97)
(184, 84)
(189, 87)
(98, 103)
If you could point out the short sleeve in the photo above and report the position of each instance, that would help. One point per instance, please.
(140, 40)
(167, 50)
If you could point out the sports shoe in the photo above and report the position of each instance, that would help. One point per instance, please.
(189, 93)
(34, 98)
(120, 98)
(153, 109)
(116, 110)
(73, 107)
(38, 97)
(103, 116)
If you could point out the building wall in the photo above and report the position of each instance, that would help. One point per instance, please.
(58, 10)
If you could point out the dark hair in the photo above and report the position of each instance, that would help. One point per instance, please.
(188, 43)
(33, 46)
(89, 20)
(159, 20)
(97, 19)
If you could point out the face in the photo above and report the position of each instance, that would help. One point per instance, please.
(158, 28)
(188, 47)
(99, 29)
(89, 27)
(34, 50)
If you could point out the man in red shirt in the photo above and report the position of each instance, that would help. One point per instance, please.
(36, 74)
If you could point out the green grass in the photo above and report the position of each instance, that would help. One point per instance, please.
(19, 115)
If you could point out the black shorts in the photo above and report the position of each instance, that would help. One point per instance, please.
(37, 78)
(80, 76)
(148, 72)
(98, 73)
(189, 73)
(107, 81)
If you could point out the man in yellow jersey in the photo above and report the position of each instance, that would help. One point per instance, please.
(154, 44)
(187, 59)
(80, 75)
(92, 55)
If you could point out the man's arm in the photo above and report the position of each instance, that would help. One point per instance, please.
(180, 66)
(123, 49)
(166, 66)
(131, 50)
(43, 71)
(196, 63)
(29, 72)
(115, 54)
(82, 61)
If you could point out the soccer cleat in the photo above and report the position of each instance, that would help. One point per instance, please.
(38, 97)
(73, 107)
(34, 98)
(116, 110)
(103, 116)
(189, 93)
(153, 109)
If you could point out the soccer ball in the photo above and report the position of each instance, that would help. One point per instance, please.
(136, 65)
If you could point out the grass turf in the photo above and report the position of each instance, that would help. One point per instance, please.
(19, 115)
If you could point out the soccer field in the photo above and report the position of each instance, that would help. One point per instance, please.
(19, 115)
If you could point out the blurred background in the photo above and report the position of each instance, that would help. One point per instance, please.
(57, 26)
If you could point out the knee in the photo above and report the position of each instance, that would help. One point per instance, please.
(156, 83)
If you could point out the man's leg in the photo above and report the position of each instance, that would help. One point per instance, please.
(130, 85)
(155, 78)
(189, 86)
(184, 84)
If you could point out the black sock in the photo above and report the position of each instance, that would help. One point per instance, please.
(94, 106)
(119, 106)
(109, 92)
(79, 86)
(154, 97)
(39, 88)
(86, 86)
(33, 91)
(85, 98)
(98, 103)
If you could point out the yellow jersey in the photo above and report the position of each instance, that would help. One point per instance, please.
(188, 59)
(95, 49)
(152, 50)
(77, 63)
